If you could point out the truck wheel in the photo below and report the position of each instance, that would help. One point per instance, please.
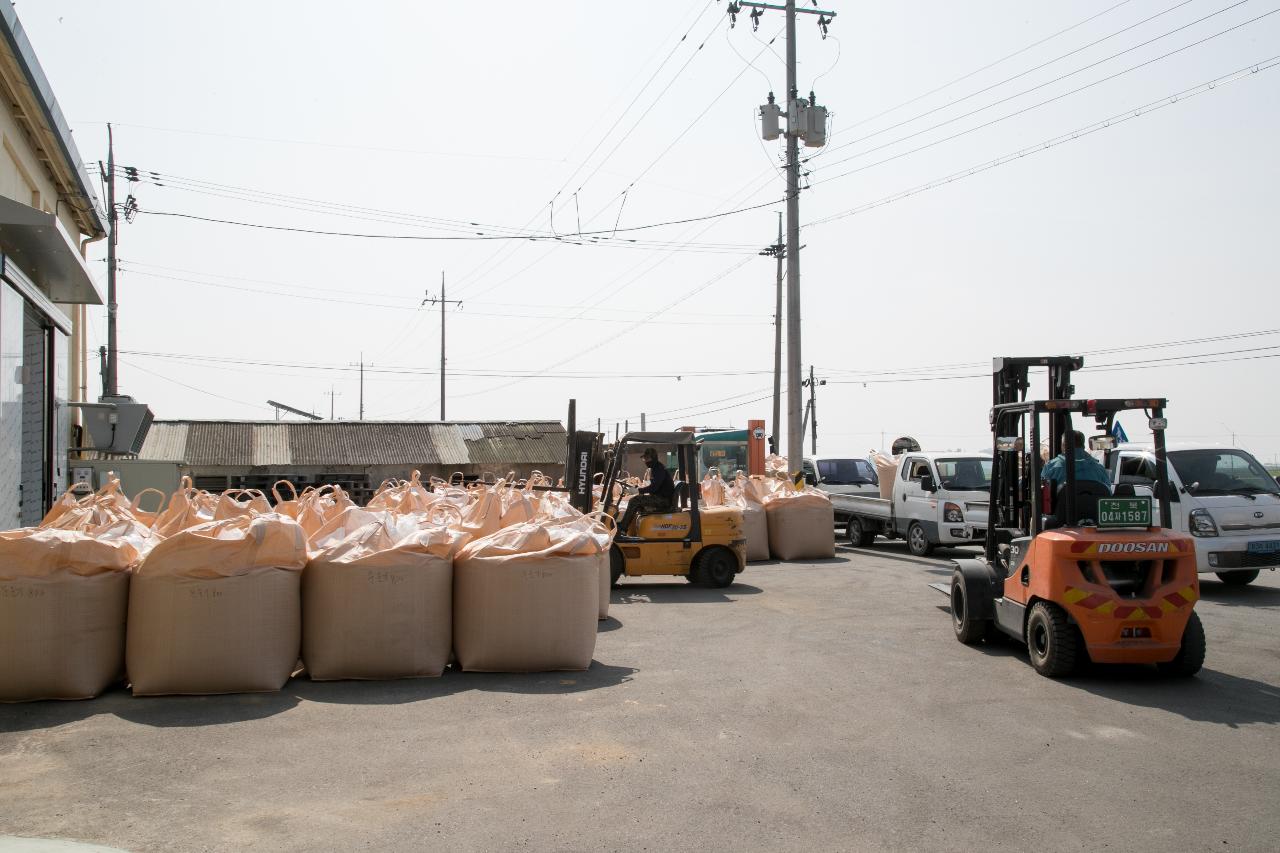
(918, 541)
(716, 567)
(1052, 642)
(1238, 578)
(617, 565)
(968, 629)
(857, 536)
(1191, 655)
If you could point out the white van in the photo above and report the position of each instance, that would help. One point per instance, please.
(841, 475)
(1222, 496)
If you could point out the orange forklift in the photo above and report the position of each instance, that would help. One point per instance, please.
(1081, 571)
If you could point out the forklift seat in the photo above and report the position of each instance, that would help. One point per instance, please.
(1087, 494)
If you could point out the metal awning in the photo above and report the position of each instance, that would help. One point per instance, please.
(34, 241)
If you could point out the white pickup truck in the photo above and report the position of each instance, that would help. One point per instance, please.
(1222, 496)
(939, 498)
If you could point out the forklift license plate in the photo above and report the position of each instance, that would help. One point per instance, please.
(1124, 512)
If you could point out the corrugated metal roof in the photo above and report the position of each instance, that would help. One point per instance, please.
(271, 445)
(246, 444)
(165, 441)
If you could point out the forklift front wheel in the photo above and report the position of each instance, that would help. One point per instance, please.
(969, 630)
(716, 567)
(617, 565)
(1052, 641)
(1191, 656)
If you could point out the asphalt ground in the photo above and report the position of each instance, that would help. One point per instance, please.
(812, 706)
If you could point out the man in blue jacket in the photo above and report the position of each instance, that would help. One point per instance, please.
(1087, 468)
(655, 497)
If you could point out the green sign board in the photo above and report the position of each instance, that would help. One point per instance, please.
(1124, 512)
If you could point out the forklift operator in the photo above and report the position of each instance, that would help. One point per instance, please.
(655, 497)
(1087, 468)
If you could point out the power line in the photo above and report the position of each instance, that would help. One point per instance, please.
(986, 67)
(1071, 136)
(575, 239)
(1037, 68)
(256, 291)
(1023, 110)
(467, 228)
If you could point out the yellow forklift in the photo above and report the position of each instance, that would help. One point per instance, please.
(705, 546)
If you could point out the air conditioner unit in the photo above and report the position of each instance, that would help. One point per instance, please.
(117, 424)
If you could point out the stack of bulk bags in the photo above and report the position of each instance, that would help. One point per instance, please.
(886, 470)
(64, 592)
(746, 494)
(377, 595)
(216, 608)
(527, 598)
(801, 524)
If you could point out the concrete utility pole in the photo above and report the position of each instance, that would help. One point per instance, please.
(443, 302)
(779, 251)
(332, 395)
(805, 120)
(111, 388)
(811, 412)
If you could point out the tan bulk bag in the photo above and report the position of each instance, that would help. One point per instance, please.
(377, 602)
(63, 599)
(527, 598)
(187, 507)
(886, 470)
(801, 524)
(216, 608)
(745, 494)
(712, 493)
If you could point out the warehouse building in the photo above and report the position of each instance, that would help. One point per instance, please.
(48, 216)
(357, 455)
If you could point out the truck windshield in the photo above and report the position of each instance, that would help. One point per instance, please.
(846, 472)
(966, 474)
(1221, 472)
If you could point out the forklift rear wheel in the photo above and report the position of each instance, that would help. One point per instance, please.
(1191, 656)
(1238, 578)
(857, 536)
(968, 629)
(617, 565)
(716, 567)
(918, 541)
(1052, 641)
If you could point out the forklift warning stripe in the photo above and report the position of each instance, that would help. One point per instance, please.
(1106, 605)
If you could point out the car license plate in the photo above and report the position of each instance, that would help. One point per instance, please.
(1124, 512)
(1267, 546)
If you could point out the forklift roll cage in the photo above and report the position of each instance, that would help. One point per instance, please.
(1016, 476)
(687, 453)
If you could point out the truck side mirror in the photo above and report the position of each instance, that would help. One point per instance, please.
(926, 482)
(811, 478)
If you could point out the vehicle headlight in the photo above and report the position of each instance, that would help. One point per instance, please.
(952, 513)
(1201, 523)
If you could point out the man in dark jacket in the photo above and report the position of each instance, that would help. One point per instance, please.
(655, 497)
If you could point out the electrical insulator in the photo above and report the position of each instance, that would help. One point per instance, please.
(770, 121)
(815, 127)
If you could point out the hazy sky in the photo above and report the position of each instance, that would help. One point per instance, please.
(420, 118)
